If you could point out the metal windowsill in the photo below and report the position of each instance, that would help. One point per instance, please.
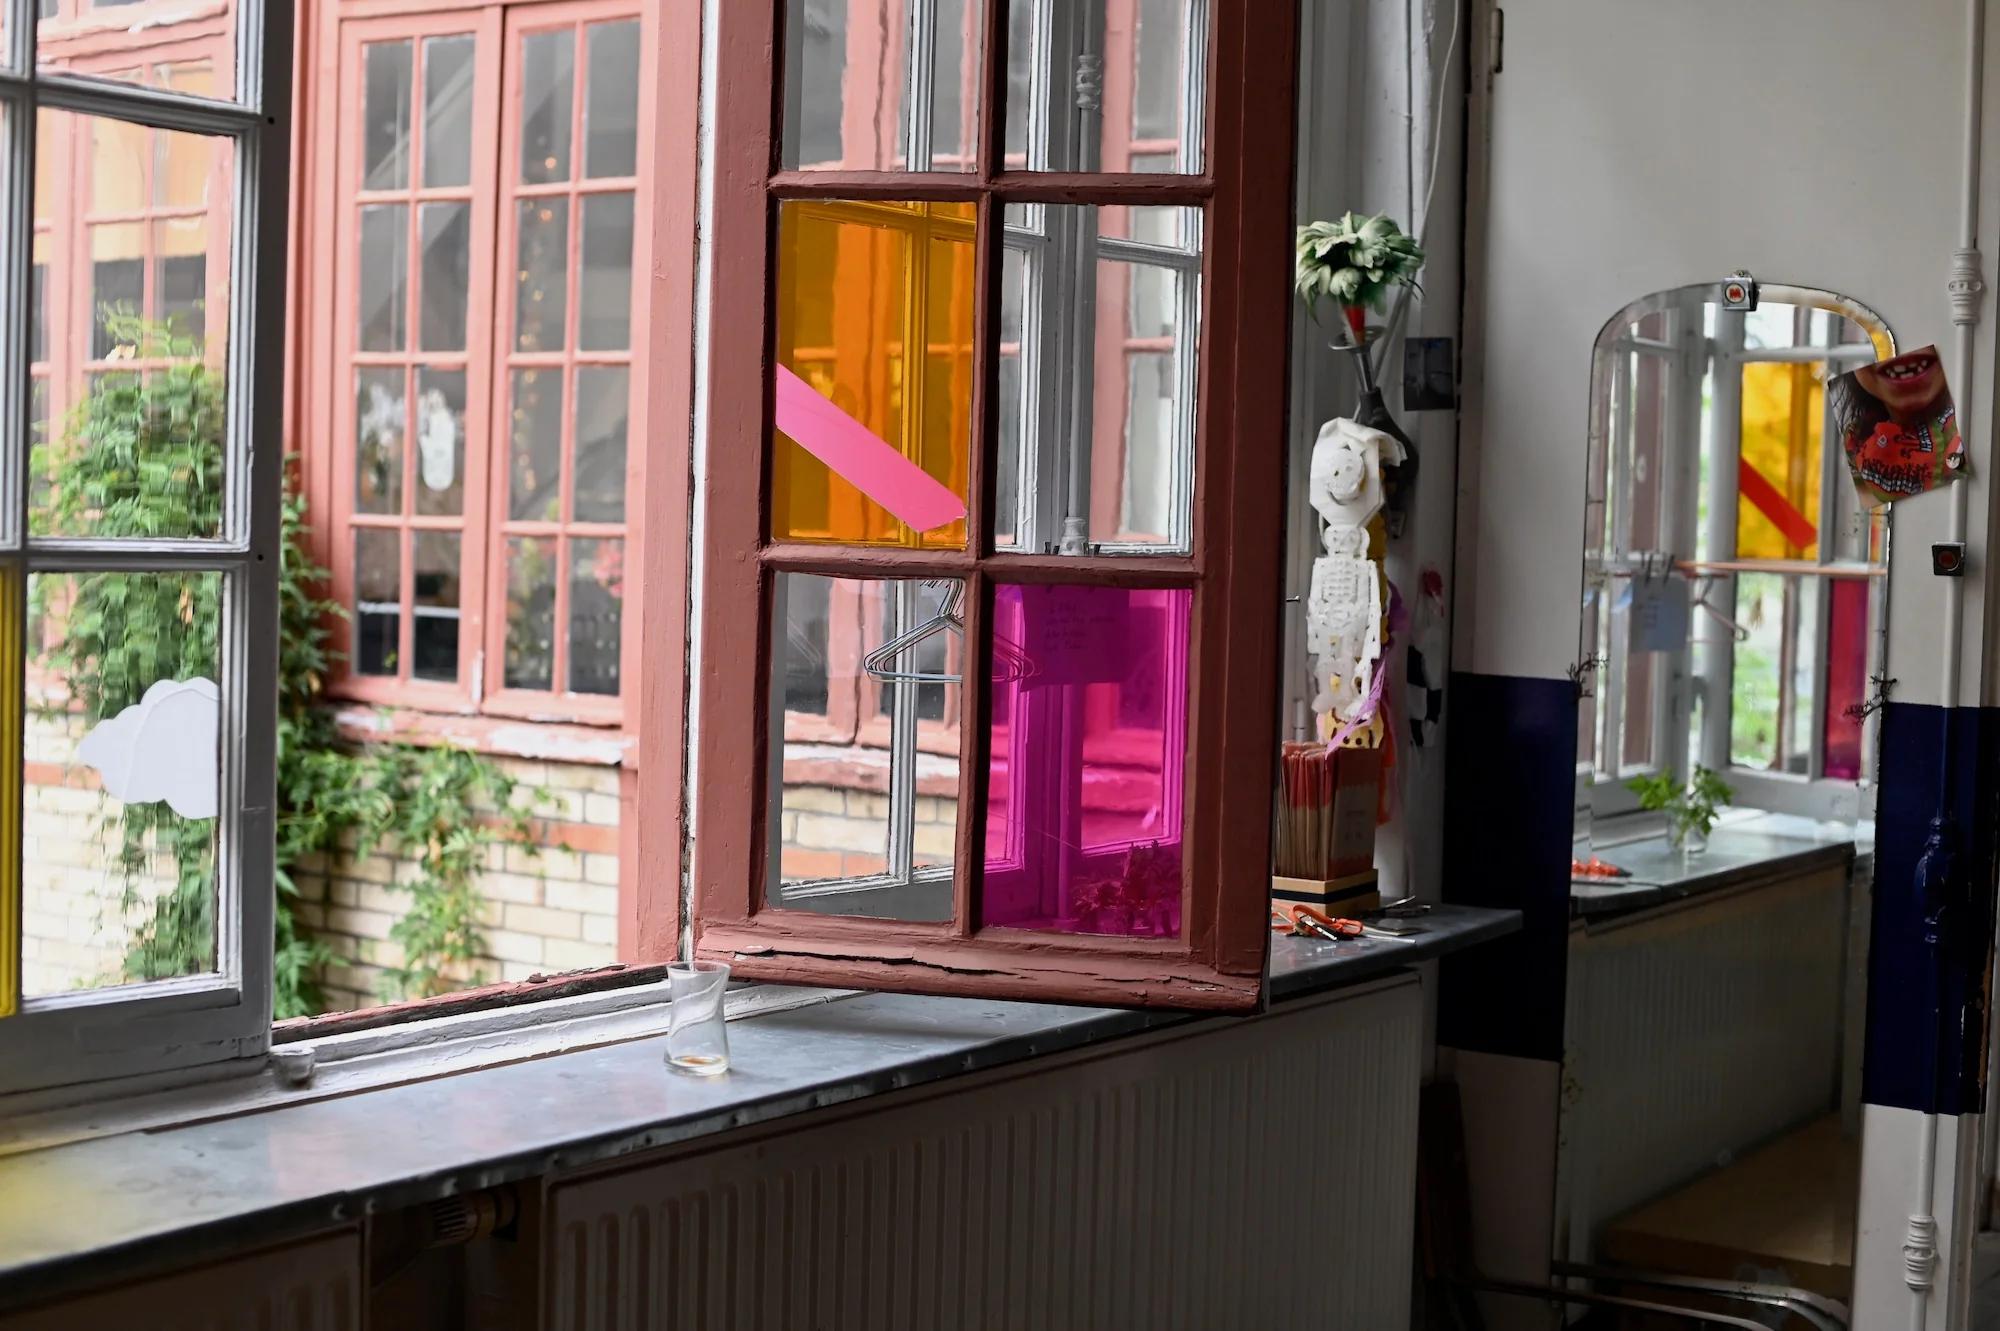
(1765, 848)
(122, 1206)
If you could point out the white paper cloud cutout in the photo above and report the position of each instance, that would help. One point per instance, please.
(163, 747)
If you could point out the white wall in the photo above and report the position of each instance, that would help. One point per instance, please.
(1637, 146)
(1630, 146)
(1369, 97)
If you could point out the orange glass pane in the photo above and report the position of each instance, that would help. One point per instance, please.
(875, 317)
(1777, 515)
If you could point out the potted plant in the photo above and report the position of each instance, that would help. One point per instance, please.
(1691, 810)
(1356, 262)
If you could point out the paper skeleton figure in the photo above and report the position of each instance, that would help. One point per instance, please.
(1344, 604)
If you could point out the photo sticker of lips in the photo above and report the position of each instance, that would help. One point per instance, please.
(1898, 426)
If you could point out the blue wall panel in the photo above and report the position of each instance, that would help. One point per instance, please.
(1510, 778)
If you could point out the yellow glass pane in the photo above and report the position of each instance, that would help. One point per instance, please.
(864, 289)
(12, 703)
(1777, 509)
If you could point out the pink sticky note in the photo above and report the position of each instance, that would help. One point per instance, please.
(863, 458)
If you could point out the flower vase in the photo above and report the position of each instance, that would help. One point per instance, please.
(1687, 838)
(1399, 481)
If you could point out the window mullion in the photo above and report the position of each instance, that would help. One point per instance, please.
(1718, 656)
(901, 695)
(1187, 386)
(155, 107)
(16, 294)
(1076, 298)
(16, 408)
(1194, 90)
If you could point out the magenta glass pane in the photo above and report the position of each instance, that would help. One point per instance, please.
(1846, 676)
(1088, 737)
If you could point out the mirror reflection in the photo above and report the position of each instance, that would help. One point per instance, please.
(1732, 619)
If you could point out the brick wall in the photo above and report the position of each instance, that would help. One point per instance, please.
(552, 906)
(833, 833)
(76, 915)
(549, 906)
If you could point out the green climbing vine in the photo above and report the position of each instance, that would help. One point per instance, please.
(141, 455)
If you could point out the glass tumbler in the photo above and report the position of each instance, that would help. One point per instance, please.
(697, 1036)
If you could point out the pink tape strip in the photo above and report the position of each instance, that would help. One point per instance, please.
(862, 458)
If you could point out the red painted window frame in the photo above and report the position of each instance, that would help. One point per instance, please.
(650, 715)
(325, 368)
(1236, 567)
(356, 34)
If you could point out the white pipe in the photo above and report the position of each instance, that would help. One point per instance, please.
(1920, 1245)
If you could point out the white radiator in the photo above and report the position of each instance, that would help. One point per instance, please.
(1243, 1173)
(1694, 1033)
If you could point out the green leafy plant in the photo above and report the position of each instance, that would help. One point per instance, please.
(141, 455)
(1692, 809)
(1355, 262)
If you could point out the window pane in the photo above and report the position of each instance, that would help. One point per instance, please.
(596, 614)
(1846, 677)
(117, 285)
(378, 600)
(448, 72)
(180, 277)
(38, 288)
(534, 488)
(440, 441)
(548, 61)
(384, 276)
(531, 613)
(611, 100)
(118, 155)
(604, 296)
(75, 35)
(1084, 836)
(602, 404)
(1146, 121)
(1754, 690)
(379, 422)
(1134, 384)
(807, 639)
(446, 275)
(183, 170)
(124, 757)
(434, 616)
(1784, 410)
(138, 441)
(865, 808)
(851, 278)
(1018, 428)
(542, 271)
(1151, 469)
(849, 70)
(385, 115)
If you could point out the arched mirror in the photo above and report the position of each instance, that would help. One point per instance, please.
(1734, 599)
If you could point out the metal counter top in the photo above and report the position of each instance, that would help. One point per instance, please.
(131, 1204)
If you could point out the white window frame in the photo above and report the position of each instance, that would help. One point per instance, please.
(1060, 249)
(1683, 362)
(1810, 793)
(1694, 356)
(172, 1025)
